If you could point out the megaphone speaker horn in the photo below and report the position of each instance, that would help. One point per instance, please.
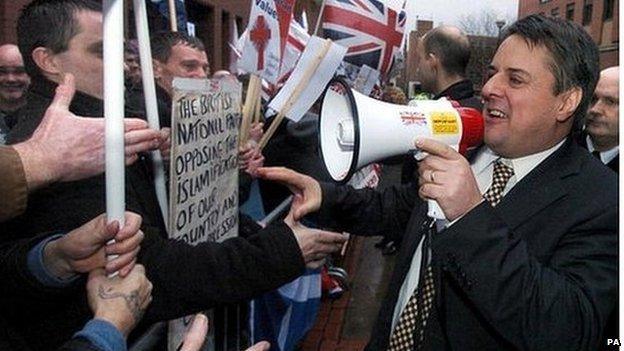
(339, 131)
(356, 130)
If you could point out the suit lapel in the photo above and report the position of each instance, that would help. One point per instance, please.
(541, 187)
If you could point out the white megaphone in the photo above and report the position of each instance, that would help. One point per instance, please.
(355, 130)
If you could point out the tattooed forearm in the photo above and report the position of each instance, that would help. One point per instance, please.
(132, 300)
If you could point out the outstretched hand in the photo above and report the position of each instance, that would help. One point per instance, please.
(315, 244)
(66, 147)
(305, 187)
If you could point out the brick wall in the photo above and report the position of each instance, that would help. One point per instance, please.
(605, 33)
(9, 11)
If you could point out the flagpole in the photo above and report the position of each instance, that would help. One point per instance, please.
(114, 111)
(318, 20)
(149, 91)
(173, 17)
(249, 107)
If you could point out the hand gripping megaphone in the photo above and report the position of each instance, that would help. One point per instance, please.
(355, 130)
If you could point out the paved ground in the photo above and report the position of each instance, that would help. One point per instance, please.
(345, 324)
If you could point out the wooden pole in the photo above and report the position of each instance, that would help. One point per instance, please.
(258, 110)
(173, 17)
(319, 19)
(295, 95)
(248, 109)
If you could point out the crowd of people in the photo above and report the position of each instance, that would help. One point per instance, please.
(526, 258)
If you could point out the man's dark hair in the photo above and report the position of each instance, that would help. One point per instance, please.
(162, 43)
(575, 57)
(451, 49)
(50, 24)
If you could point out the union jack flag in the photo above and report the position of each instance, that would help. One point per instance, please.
(371, 30)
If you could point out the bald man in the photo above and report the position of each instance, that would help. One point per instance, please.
(443, 54)
(601, 135)
(13, 84)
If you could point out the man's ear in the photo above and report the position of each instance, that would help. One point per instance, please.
(570, 100)
(45, 59)
(433, 61)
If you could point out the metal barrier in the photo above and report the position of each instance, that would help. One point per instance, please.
(229, 330)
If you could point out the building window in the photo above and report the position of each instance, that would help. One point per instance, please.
(570, 12)
(588, 8)
(607, 13)
(544, 1)
(587, 11)
(554, 12)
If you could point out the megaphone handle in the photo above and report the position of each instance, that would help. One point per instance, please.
(435, 211)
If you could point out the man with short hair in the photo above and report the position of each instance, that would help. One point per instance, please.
(13, 85)
(177, 54)
(602, 132)
(65, 36)
(527, 256)
(174, 54)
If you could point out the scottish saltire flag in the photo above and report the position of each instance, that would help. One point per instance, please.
(283, 317)
(371, 30)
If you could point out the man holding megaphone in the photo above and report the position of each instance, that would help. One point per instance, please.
(526, 258)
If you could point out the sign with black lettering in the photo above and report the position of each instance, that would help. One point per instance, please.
(204, 160)
(203, 182)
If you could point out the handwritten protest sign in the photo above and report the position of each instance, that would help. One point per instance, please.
(203, 183)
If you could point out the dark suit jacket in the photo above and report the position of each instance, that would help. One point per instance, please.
(462, 92)
(186, 279)
(613, 164)
(537, 272)
(18, 281)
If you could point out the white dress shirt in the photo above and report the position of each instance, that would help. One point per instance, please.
(482, 167)
(605, 156)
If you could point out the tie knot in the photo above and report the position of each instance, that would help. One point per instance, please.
(500, 177)
(502, 171)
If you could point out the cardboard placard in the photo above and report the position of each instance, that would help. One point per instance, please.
(203, 194)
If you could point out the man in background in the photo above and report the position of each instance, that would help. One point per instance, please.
(601, 134)
(14, 82)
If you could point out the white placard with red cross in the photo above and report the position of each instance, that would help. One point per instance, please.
(269, 21)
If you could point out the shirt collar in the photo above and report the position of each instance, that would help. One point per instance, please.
(522, 165)
(605, 156)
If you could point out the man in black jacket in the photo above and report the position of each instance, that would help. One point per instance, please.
(527, 256)
(186, 279)
(38, 268)
(601, 135)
